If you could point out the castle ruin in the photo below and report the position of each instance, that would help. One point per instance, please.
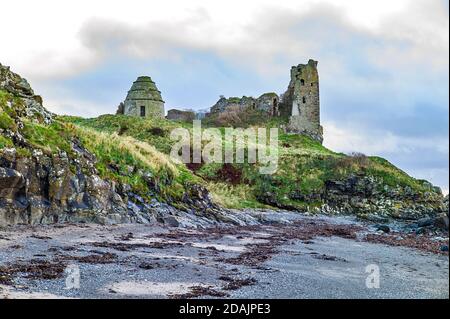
(301, 101)
(268, 103)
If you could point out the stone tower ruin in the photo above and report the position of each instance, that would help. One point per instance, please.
(301, 101)
(143, 99)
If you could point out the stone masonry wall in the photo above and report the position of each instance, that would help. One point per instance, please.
(301, 101)
(180, 115)
(152, 108)
(268, 102)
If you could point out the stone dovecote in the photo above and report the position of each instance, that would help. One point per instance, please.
(144, 99)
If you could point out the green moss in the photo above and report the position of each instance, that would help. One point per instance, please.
(234, 99)
(52, 138)
(303, 143)
(6, 122)
(4, 97)
(23, 152)
(209, 171)
(5, 142)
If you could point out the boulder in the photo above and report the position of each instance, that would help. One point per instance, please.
(170, 221)
(11, 182)
(425, 222)
(441, 222)
(384, 228)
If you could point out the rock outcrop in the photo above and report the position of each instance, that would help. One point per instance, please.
(31, 104)
(366, 195)
(38, 186)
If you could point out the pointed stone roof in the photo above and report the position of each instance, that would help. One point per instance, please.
(144, 89)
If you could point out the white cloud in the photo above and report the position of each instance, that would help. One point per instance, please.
(349, 138)
(47, 38)
(75, 106)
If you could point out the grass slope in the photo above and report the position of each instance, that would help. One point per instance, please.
(304, 164)
(120, 158)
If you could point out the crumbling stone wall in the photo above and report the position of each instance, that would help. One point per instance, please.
(301, 101)
(179, 115)
(268, 102)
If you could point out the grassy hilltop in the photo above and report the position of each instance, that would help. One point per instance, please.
(117, 168)
(304, 180)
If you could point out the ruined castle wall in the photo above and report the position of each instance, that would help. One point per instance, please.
(180, 115)
(225, 104)
(301, 100)
(300, 103)
(268, 102)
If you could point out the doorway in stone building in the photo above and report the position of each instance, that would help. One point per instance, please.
(143, 111)
(275, 107)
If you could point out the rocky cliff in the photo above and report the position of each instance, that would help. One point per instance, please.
(116, 168)
(48, 175)
(28, 104)
(309, 177)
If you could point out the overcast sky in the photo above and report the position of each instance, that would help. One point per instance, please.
(383, 63)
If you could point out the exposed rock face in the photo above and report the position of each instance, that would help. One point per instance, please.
(144, 99)
(32, 104)
(363, 195)
(46, 189)
(38, 187)
(56, 188)
(11, 182)
(368, 197)
(301, 101)
(267, 102)
(179, 115)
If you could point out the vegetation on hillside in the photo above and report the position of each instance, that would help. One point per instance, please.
(304, 165)
(121, 158)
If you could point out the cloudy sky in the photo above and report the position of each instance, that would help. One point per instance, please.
(383, 63)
